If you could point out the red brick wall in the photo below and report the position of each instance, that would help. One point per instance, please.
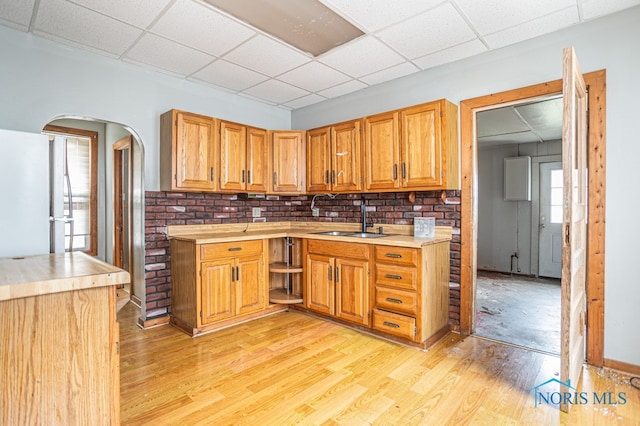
(179, 208)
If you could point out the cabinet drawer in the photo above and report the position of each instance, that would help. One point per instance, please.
(396, 300)
(339, 249)
(233, 249)
(396, 324)
(396, 276)
(397, 255)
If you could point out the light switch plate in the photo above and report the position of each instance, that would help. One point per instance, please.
(315, 212)
(256, 212)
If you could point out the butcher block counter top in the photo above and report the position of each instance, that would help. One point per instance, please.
(54, 273)
(395, 235)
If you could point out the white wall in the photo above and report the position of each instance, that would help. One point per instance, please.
(609, 43)
(508, 227)
(42, 80)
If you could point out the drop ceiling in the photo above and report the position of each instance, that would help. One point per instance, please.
(193, 40)
(534, 122)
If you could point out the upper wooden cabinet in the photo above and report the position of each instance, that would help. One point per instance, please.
(413, 148)
(287, 162)
(382, 151)
(243, 158)
(334, 158)
(188, 152)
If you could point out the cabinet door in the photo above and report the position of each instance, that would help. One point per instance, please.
(346, 166)
(257, 157)
(233, 145)
(421, 146)
(250, 285)
(288, 162)
(318, 164)
(320, 291)
(194, 152)
(217, 293)
(352, 290)
(382, 152)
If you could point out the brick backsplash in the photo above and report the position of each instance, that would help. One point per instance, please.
(185, 208)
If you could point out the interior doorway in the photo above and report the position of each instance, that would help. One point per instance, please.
(517, 143)
(596, 82)
(122, 249)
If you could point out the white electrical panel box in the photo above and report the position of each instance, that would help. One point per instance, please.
(517, 178)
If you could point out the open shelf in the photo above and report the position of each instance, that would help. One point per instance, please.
(279, 295)
(283, 268)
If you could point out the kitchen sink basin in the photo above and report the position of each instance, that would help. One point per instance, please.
(366, 235)
(335, 233)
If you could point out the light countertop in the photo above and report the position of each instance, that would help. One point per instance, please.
(27, 276)
(395, 235)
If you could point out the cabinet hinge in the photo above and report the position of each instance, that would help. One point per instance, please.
(441, 114)
(200, 314)
(415, 331)
(118, 347)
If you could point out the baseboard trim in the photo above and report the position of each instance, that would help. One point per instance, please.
(625, 367)
(154, 322)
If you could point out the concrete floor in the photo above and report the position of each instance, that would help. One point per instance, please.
(519, 310)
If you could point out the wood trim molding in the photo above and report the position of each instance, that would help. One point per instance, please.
(596, 82)
(622, 366)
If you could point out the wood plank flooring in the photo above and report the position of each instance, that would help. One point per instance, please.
(292, 368)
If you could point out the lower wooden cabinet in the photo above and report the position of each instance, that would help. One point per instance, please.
(216, 282)
(411, 290)
(337, 280)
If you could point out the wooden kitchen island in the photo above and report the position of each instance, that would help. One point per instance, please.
(59, 356)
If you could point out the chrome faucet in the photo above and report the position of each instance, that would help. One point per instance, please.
(363, 209)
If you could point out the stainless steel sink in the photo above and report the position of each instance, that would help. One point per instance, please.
(366, 235)
(334, 233)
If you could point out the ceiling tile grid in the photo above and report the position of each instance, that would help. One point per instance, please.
(192, 39)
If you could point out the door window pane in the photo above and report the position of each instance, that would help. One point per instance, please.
(556, 196)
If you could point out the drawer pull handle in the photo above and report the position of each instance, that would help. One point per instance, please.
(393, 300)
(234, 248)
(394, 255)
(394, 277)
(391, 324)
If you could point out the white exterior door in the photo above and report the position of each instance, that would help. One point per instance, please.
(550, 225)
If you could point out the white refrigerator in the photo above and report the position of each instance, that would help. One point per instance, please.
(26, 184)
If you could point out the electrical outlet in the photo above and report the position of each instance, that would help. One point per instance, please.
(315, 212)
(256, 212)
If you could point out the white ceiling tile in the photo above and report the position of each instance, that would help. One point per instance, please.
(135, 12)
(489, 16)
(305, 101)
(17, 13)
(168, 55)
(451, 54)
(276, 91)
(391, 73)
(343, 89)
(534, 28)
(231, 76)
(67, 21)
(208, 30)
(266, 56)
(363, 56)
(429, 32)
(373, 15)
(594, 8)
(314, 76)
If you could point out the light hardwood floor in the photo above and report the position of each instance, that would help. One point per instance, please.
(292, 368)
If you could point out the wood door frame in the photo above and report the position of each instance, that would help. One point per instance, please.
(596, 84)
(118, 218)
